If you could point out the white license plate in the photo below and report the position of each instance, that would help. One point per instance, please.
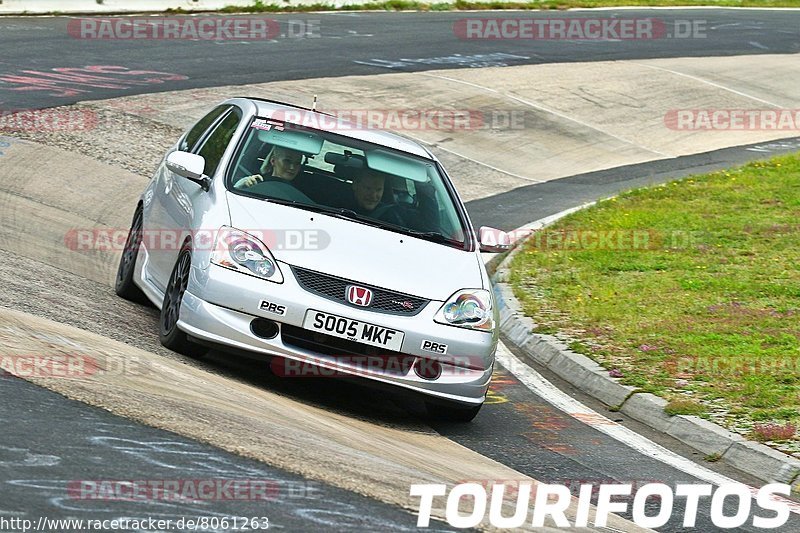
(354, 330)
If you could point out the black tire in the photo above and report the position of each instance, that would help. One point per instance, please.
(168, 332)
(452, 412)
(124, 285)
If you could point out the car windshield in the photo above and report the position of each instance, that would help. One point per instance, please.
(325, 172)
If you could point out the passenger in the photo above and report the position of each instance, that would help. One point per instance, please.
(368, 194)
(368, 190)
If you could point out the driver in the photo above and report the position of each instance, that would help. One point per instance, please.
(282, 164)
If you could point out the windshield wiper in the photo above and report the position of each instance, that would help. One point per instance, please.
(334, 211)
(293, 203)
(433, 236)
(347, 214)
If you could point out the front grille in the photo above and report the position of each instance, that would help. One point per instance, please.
(368, 357)
(335, 289)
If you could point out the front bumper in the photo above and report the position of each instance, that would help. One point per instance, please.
(220, 304)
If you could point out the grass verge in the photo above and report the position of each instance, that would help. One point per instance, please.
(689, 290)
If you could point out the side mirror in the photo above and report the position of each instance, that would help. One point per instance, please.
(189, 166)
(494, 241)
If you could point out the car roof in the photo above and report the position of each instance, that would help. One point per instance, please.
(267, 108)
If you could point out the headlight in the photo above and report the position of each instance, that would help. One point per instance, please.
(468, 308)
(244, 253)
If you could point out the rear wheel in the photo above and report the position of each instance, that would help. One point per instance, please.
(124, 285)
(452, 412)
(169, 334)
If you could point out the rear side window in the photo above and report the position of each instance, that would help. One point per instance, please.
(202, 125)
(216, 143)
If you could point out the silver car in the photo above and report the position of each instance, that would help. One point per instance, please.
(331, 249)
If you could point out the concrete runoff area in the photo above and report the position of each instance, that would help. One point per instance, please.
(47, 194)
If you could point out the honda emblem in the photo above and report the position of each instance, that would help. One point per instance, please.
(359, 295)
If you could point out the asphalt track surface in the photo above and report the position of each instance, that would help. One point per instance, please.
(518, 428)
(93, 445)
(363, 43)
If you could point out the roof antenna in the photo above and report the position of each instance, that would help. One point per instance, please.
(314, 105)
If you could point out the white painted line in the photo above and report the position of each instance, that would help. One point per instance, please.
(547, 110)
(562, 401)
(707, 82)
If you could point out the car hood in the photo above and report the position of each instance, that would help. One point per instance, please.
(357, 252)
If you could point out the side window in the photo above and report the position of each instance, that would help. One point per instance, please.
(198, 129)
(216, 143)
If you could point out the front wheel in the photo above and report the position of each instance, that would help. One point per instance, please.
(452, 412)
(124, 285)
(169, 334)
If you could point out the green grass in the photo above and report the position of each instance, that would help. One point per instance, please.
(695, 293)
(410, 5)
(685, 407)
